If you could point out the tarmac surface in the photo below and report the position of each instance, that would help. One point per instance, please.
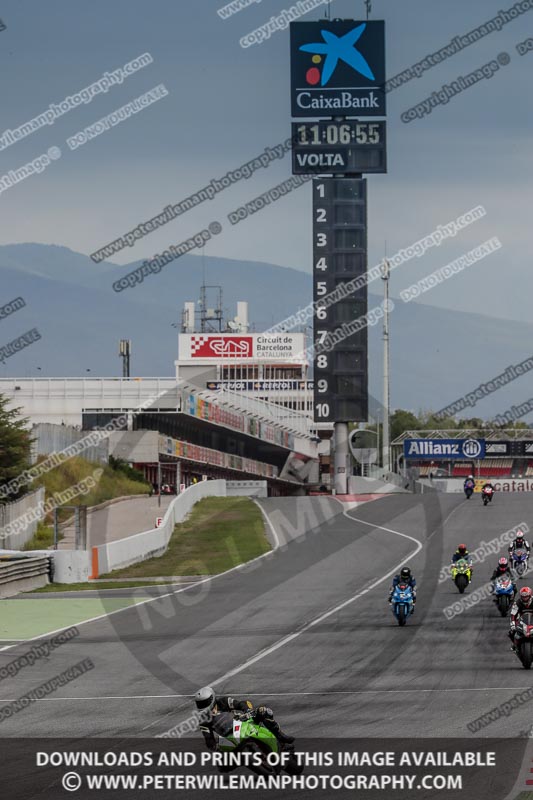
(306, 629)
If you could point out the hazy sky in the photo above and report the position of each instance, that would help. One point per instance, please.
(226, 103)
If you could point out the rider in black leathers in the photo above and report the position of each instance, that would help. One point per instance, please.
(206, 700)
(404, 576)
(502, 569)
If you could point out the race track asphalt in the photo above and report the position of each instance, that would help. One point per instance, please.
(307, 630)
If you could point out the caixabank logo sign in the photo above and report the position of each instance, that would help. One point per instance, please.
(338, 68)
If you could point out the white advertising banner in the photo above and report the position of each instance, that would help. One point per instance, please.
(209, 347)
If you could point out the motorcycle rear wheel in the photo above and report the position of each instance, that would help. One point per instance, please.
(292, 767)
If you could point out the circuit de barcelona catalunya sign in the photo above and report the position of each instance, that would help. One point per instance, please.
(436, 449)
(338, 68)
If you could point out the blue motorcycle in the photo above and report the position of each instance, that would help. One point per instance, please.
(519, 559)
(402, 602)
(503, 594)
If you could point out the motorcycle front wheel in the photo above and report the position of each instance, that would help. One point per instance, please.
(526, 654)
(401, 615)
(503, 604)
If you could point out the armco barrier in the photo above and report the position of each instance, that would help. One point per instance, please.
(140, 546)
(23, 574)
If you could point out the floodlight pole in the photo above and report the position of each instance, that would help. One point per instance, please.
(386, 394)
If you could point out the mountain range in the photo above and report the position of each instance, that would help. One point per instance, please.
(437, 355)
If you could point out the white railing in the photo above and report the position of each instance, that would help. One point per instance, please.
(296, 421)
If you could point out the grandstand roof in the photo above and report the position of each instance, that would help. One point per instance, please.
(515, 434)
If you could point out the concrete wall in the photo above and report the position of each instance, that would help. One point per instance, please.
(123, 552)
(60, 400)
(51, 438)
(138, 446)
(360, 485)
(70, 566)
(16, 525)
(246, 488)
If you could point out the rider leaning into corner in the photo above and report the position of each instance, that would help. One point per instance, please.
(404, 576)
(524, 603)
(207, 701)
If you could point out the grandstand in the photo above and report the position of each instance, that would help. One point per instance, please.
(175, 429)
(508, 454)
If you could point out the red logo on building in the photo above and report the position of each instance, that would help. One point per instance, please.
(209, 346)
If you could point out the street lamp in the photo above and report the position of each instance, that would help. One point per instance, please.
(385, 277)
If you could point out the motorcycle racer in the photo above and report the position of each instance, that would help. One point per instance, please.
(524, 602)
(208, 702)
(519, 543)
(488, 489)
(404, 576)
(503, 568)
(469, 485)
(461, 552)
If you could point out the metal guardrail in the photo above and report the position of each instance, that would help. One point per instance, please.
(21, 568)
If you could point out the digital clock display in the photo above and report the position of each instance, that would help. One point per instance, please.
(344, 147)
(335, 133)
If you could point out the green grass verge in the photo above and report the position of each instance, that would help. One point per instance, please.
(81, 587)
(220, 533)
(112, 483)
(41, 539)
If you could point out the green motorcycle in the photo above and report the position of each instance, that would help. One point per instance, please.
(238, 733)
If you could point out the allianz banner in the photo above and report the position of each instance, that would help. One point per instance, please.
(436, 449)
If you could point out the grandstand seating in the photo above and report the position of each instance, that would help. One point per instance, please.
(462, 469)
(489, 468)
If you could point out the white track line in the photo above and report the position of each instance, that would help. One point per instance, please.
(275, 694)
(152, 599)
(292, 636)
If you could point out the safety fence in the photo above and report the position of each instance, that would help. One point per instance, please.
(19, 509)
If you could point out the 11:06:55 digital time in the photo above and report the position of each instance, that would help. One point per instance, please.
(344, 133)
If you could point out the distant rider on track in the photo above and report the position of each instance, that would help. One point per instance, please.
(469, 486)
(519, 543)
(488, 489)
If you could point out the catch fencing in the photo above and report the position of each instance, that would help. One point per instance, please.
(9, 512)
(50, 438)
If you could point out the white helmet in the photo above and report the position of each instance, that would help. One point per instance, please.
(205, 698)
(470, 477)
